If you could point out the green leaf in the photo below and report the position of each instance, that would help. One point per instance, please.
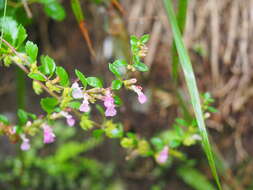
(37, 76)
(194, 178)
(49, 104)
(141, 67)
(158, 143)
(127, 142)
(81, 77)
(18, 129)
(192, 87)
(113, 130)
(22, 117)
(31, 115)
(55, 10)
(182, 122)
(118, 67)
(120, 63)
(117, 100)
(116, 84)
(144, 39)
(86, 123)
(136, 59)
(97, 133)
(22, 35)
(74, 104)
(37, 87)
(172, 138)
(4, 120)
(31, 50)
(48, 65)
(133, 40)
(94, 82)
(9, 27)
(113, 69)
(63, 75)
(212, 109)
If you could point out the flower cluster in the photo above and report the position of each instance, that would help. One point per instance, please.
(106, 95)
(72, 100)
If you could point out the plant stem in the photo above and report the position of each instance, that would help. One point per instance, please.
(22, 67)
(2, 32)
(21, 88)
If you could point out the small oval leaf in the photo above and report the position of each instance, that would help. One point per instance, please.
(63, 75)
(81, 77)
(94, 82)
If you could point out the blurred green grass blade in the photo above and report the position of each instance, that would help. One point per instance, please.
(192, 87)
(194, 178)
(181, 20)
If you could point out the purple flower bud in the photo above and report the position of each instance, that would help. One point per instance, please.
(69, 118)
(163, 155)
(25, 144)
(108, 101)
(71, 121)
(141, 96)
(109, 104)
(49, 135)
(110, 112)
(85, 105)
(77, 92)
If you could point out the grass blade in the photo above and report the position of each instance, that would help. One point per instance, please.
(181, 19)
(192, 87)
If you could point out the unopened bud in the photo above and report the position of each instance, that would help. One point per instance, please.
(37, 88)
(130, 82)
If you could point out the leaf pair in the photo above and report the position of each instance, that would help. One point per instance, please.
(92, 81)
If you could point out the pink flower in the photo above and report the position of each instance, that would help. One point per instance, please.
(25, 144)
(163, 155)
(49, 135)
(110, 112)
(108, 101)
(141, 96)
(109, 104)
(85, 105)
(77, 92)
(71, 121)
(69, 118)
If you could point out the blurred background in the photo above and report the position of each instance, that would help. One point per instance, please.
(218, 35)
